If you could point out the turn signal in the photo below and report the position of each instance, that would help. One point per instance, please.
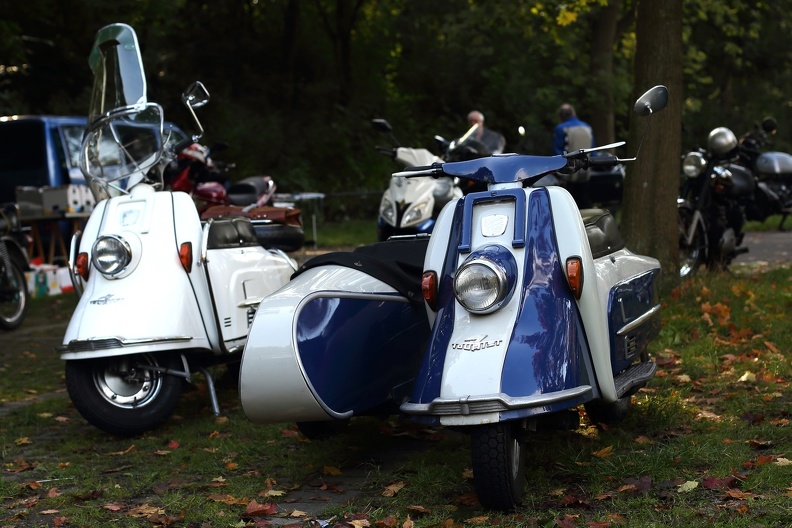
(429, 289)
(185, 256)
(574, 272)
(81, 265)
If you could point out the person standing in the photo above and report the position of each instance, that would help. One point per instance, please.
(494, 141)
(572, 134)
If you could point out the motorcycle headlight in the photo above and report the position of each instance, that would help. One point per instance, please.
(417, 213)
(693, 164)
(485, 281)
(387, 211)
(111, 255)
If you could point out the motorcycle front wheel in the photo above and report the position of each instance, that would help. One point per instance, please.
(123, 395)
(693, 254)
(14, 296)
(499, 459)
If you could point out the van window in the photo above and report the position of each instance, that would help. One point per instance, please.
(23, 157)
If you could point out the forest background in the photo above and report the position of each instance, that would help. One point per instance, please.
(295, 83)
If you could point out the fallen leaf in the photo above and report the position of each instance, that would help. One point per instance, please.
(688, 486)
(604, 452)
(297, 513)
(173, 445)
(483, 519)
(272, 493)
(124, 452)
(783, 462)
(22, 441)
(748, 377)
(255, 508)
(113, 507)
(393, 489)
(330, 470)
(49, 512)
(408, 523)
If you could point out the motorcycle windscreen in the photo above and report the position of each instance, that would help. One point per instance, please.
(119, 150)
(119, 79)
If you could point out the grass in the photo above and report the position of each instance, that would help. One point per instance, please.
(707, 442)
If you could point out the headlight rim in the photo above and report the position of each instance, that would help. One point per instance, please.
(126, 254)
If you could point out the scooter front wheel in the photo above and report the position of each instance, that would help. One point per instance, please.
(124, 395)
(499, 459)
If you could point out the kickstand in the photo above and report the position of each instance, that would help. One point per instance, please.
(212, 393)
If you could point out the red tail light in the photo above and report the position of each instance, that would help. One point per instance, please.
(574, 271)
(81, 262)
(429, 289)
(186, 256)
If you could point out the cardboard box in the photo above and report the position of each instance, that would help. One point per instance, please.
(63, 199)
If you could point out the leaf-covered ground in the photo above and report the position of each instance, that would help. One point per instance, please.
(707, 442)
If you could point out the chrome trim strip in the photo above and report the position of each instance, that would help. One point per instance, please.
(492, 403)
(105, 343)
(638, 321)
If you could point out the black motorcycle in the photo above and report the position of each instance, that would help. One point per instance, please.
(714, 194)
(14, 262)
(772, 171)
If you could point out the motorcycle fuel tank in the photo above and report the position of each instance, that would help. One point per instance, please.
(774, 164)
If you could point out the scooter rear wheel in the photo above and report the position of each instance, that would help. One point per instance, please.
(122, 395)
(13, 296)
(499, 459)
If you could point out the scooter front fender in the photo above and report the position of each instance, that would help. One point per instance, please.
(533, 355)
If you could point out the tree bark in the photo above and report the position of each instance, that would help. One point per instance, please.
(649, 215)
(601, 71)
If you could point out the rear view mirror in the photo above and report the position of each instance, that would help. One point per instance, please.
(654, 100)
(196, 95)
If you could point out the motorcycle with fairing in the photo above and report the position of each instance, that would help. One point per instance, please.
(410, 206)
(528, 308)
(163, 295)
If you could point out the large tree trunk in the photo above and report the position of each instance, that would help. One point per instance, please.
(649, 215)
(601, 71)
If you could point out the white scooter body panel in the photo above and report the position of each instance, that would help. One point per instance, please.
(473, 365)
(132, 307)
(273, 384)
(240, 278)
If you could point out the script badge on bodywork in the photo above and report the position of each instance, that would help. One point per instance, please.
(476, 343)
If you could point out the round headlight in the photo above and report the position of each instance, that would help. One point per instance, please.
(111, 254)
(480, 285)
(693, 164)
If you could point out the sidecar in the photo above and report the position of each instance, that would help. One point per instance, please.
(343, 338)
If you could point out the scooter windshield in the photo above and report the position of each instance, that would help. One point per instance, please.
(119, 79)
(119, 150)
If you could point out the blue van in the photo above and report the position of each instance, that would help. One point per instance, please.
(39, 151)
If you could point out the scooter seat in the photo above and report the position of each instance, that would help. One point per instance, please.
(233, 232)
(602, 232)
(398, 263)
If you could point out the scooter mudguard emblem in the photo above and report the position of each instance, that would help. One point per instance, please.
(547, 351)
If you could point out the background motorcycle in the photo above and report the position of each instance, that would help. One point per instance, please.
(410, 207)
(516, 336)
(714, 194)
(14, 262)
(207, 181)
(163, 294)
(773, 173)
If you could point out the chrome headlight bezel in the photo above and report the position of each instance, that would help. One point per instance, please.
(486, 280)
(112, 256)
(693, 164)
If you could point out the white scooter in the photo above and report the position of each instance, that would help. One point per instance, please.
(534, 308)
(411, 206)
(163, 295)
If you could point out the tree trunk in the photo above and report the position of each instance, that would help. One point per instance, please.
(649, 221)
(601, 72)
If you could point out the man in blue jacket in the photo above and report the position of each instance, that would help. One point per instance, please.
(569, 135)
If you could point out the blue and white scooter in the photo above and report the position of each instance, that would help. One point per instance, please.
(534, 308)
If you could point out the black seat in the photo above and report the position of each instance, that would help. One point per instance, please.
(602, 232)
(231, 232)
